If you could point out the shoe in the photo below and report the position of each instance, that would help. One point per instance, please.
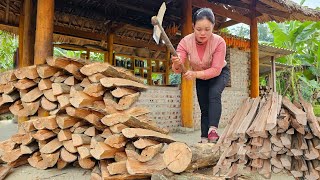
(203, 140)
(213, 136)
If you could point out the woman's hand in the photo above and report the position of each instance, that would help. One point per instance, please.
(176, 61)
(190, 75)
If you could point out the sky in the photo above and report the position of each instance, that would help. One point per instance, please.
(309, 3)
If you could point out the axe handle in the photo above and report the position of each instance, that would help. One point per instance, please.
(167, 41)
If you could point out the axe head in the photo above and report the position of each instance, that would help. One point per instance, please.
(156, 30)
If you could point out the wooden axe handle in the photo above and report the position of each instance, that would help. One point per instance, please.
(166, 39)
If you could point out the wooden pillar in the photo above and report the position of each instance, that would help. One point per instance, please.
(110, 47)
(273, 74)
(187, 85)
(88, 56)
(26, 38)
(254, 52)
(44, 31)
(105, 57)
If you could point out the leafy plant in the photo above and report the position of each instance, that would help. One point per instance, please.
(8, 46)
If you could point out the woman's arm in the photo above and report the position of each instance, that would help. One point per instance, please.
(182, 53)
(218, 62)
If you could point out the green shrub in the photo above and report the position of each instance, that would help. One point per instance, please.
(316, 110)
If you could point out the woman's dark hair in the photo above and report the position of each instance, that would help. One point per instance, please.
(203, 13)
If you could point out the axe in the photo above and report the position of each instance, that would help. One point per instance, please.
(158, 32)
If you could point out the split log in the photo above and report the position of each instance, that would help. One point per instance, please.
(313, 122)
(104, 151)
(25, 84)
(86, 163)
(70, 81)
(4, 171)
(65, 121)
(29, 149)
(63, 100)
(91, 131)
(48, 122)
(117, 168)
(61, 164)
(49, 95)
(119, 92)
(95, 140)
(120, 156)
(136, 167)
(64, 135)
(47, 105)
(81, 99)
(69, 146)
(130, 121)
(80, 139)
(29, 72)
(43, 134)
(46, 71)
(51, 159)
(241, 132)
(138, 132)
(272, 117)
(31, 95)
(45, 84)
(10, 156)
(116, 140)
(296, 112)
(67, 156)
(84, 151)
(60, 88)
(117, 128)
(52, 146)
(118, 82)
(95, 78)
(126, 101)
(94, 90)
(7, 88)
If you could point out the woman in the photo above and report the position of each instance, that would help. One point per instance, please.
(206, 53)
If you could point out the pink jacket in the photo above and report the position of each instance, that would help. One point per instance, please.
(209, 59)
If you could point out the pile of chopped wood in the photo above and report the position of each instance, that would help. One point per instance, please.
(272, 135)
(84, 114)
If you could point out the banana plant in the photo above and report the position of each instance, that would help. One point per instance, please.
(303, 38)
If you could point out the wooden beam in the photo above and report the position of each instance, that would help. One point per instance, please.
(219, 10)
(227, 24)
(7, 11)
(254, 52)
(261, 8)
(187, 85)
(44, 32)
(139, 44)
(101, 37)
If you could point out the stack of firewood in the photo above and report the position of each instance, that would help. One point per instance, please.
(264, 90)
(84, 114)
(271, 134)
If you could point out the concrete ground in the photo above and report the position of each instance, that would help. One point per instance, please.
(8, 128)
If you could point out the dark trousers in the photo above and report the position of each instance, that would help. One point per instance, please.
(209, 98)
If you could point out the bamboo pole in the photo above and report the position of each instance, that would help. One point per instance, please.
(273, 74)
(187, 85)
(44, 31)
